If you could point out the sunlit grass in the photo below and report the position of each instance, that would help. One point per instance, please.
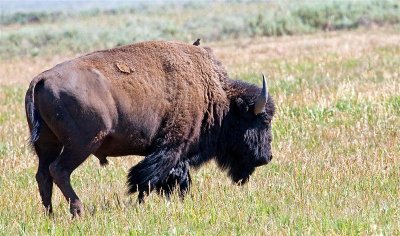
(336, 167)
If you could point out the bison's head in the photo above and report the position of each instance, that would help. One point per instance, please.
(247, 132)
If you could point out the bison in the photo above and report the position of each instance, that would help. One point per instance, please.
(168, 101)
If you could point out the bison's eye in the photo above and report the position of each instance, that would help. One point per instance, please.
(264, 118)
(263, 115)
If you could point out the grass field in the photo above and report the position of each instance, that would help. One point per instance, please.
(336, 166)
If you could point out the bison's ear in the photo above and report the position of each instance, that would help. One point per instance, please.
(241, 105)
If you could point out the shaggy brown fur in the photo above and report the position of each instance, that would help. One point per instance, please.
(168, 101)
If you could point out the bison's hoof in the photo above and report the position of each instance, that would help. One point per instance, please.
(104, 162)
(76, 209)
(48, 211)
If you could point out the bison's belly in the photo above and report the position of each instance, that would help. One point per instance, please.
(122, 145)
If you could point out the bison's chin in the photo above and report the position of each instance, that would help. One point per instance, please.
(241, 176)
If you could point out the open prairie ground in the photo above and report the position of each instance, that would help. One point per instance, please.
(336, 166)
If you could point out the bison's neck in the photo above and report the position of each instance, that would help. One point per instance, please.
(212, 140)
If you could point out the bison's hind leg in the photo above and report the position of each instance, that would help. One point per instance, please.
(47, 147)
(61, 170)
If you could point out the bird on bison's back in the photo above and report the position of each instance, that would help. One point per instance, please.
(168, 101)
(197, 42)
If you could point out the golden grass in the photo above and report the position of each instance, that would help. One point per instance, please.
(336, 167)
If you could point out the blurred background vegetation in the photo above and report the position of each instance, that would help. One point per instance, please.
(44, 27)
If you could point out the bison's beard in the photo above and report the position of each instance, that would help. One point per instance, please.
(238, 170)
(240, 174)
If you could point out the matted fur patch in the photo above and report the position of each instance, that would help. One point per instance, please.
(123, 67)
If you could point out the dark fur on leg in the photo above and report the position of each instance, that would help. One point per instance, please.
(148, 173)
(178, 176)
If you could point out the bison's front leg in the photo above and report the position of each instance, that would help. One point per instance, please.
(152, 170)
(178, 176)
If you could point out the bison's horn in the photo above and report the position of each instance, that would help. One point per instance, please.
(259, 105)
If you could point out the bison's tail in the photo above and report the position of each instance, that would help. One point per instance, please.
(32, 114)
(151, 171)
